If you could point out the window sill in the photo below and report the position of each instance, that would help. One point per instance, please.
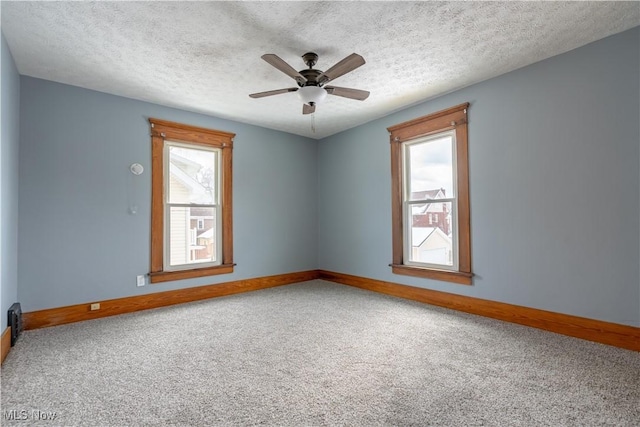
(458, 277)
(167, 276)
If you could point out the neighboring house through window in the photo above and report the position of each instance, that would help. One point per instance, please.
(430, 197)
(191, 230)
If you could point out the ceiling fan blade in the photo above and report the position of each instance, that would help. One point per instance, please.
(281, 65)
(273, 92)
(346, 92)
(348, 64)
(308, 109)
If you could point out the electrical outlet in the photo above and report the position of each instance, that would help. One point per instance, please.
(140, 280)
(95, 306)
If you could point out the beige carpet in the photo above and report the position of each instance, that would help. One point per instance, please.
(314, 353)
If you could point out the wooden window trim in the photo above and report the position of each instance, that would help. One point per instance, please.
(162, 130)
(451, 118)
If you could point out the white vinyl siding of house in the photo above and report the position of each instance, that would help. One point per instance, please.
(179, 223)
(436, 248)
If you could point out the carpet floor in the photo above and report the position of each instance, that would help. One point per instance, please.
(314, 353)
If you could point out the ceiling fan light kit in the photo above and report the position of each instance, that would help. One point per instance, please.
(312, 94)
(311, 82)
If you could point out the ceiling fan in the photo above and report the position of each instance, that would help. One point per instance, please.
(311, 83)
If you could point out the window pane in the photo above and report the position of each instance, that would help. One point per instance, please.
(189, 244)
(431, 169)
(431, 234)
(193, 175)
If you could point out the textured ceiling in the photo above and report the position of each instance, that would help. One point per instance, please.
(205, 56)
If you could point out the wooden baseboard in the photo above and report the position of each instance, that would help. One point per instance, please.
(5, 344)
(80, 312)
(614, 334)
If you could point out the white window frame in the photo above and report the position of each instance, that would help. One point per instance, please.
(407, 203)
(217, 207)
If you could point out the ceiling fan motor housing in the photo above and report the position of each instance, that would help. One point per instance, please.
(310, 75)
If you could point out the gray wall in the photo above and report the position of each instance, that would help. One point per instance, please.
(78, 241)
(554, 179)
(10, 108)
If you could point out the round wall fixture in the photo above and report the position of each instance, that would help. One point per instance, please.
(136, 169)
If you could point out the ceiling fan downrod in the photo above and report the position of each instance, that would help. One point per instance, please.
(310, 59)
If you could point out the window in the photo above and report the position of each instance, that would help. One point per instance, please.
(191, 182)
(429, 170)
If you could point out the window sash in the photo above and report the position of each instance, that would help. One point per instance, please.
(167, 236)
(407, 239)
(196, 147)
(406, 164)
